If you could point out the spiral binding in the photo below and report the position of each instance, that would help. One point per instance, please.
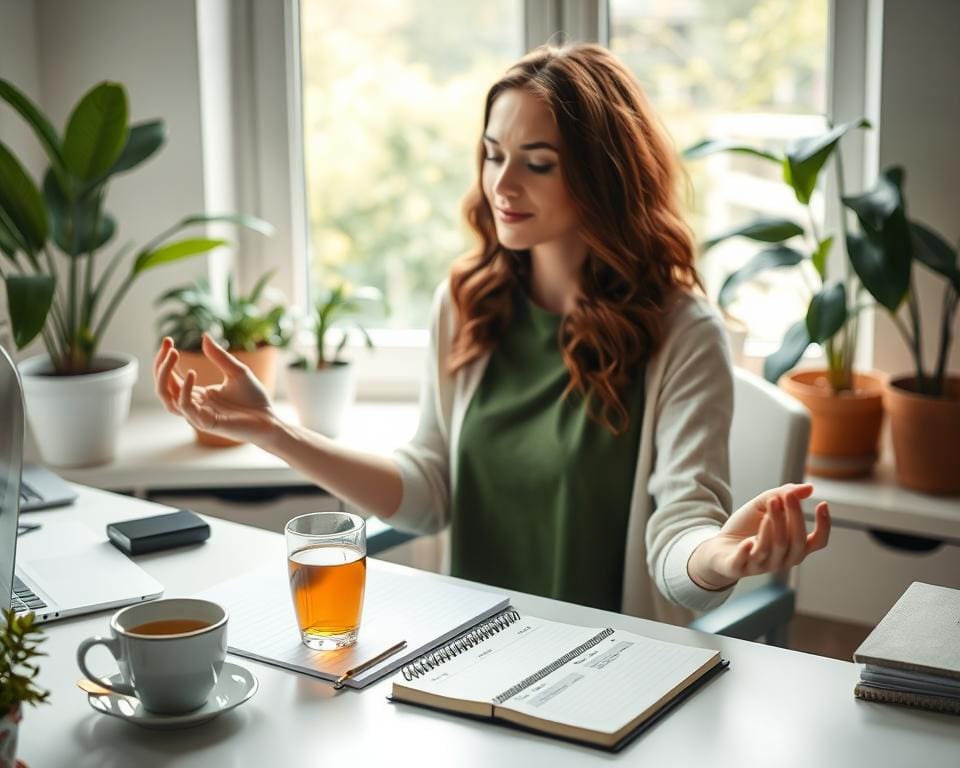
(464, 642)
(537, 676)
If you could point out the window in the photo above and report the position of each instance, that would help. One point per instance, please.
(393, 98)
(750, 70)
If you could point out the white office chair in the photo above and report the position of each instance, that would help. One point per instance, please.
(768, 447)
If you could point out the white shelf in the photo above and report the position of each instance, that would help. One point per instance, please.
(157, 452)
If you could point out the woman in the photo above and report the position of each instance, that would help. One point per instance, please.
(577, 403)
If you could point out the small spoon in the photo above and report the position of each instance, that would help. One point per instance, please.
(91, 687)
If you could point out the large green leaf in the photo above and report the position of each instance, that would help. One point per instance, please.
(795, 343)
(827, 313)
(8, 243)
(875, 206)
(240, 219)
(886, 276)
(72, 225)
(45, 131)
(29, 298)
(769, 258)
(20, 199)
(820, 256)
(143, 140)
(806, 157)
(882, 256)
(181, 249)
(934, 252)
(712, 146)
(766, 229)
(96, 131)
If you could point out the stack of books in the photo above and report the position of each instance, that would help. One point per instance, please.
(912, 657)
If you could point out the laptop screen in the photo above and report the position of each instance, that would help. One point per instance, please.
(11, 458)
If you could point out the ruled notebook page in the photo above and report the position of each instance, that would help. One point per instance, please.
(399, 604)
(500, 661)
(606, 687)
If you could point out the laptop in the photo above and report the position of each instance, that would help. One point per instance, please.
(60, 568)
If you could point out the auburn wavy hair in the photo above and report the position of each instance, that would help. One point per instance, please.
(621, 172)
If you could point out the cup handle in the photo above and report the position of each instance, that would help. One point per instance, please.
(112, 645)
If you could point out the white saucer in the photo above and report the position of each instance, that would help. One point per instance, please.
(235, 685)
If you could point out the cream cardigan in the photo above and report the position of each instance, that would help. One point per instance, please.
(681, 489)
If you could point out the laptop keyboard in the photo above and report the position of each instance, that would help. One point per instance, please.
(23, 599)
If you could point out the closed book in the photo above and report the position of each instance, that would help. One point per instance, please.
(912, 656)
(919, 700)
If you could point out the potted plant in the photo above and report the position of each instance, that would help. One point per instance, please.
(321, 390)
(846, 406)
(51, 236)
(252, 327)
(924, 407)
(19, 639)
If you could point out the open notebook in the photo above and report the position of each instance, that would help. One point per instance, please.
(399, 604)
(596, 686)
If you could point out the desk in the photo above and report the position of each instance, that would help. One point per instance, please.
(855, 579)
(773, 707)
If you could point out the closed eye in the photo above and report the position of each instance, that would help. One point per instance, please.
(546, 168)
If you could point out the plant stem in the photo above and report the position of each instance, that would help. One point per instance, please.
(88, 272)
(917, 340)
(106, 275)
(114, 303)
(950, 300)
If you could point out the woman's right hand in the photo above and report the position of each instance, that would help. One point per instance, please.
(239, 408)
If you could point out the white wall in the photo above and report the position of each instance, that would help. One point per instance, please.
(919, 119)
(19, 64)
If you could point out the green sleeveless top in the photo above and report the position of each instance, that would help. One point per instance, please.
(543, 492)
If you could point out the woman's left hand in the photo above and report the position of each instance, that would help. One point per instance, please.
(765, 535)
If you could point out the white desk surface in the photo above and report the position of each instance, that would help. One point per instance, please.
(771, 708)
(157, 452)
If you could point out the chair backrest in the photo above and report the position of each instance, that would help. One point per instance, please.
(768, 437)
(768, 447)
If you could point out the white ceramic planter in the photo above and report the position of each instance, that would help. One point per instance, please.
(75, 419)
(322, 396)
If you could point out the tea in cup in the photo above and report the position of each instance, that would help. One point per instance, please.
(170, 653)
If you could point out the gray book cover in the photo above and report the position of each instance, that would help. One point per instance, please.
(920, 633)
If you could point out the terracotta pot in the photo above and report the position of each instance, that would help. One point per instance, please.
(845, 427)
(262, 361)
(926, 435)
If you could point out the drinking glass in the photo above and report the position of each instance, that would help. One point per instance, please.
(327, 565)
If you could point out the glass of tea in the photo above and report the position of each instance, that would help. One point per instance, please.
(327, 565)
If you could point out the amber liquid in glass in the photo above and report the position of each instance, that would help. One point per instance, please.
(327, 583)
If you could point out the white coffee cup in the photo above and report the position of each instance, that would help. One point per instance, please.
(170, 671)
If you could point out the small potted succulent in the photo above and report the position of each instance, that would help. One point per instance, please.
(252, 327)
(19, 639)
(846, 406)
(51, 235)
(924, 408)
(322, 389)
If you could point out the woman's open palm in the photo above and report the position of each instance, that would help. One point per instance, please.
(239, 408)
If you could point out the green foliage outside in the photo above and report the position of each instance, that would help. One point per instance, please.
(393, 98)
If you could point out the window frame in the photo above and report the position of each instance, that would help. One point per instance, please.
(276, 189)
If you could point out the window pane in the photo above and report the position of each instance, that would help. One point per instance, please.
(750, 70)
(393, 106)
